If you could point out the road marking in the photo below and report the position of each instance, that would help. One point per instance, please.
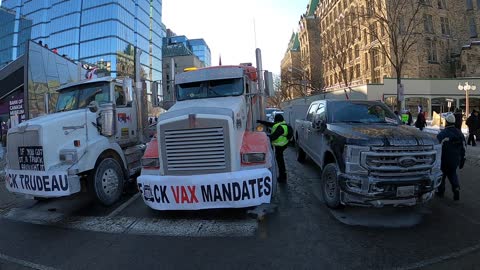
(25, 263)
(123, 206)
(440, 259)
(138, 226)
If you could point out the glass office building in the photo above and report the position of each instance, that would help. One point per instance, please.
(200, 48)
(102, 33)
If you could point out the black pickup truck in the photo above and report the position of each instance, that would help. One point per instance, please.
(367, 156)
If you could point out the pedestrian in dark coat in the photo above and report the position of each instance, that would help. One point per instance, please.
(410, 118)
(453, 156)
(458, 118)
(421, 122)
(473, 123)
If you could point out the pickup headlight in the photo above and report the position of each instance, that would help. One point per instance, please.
(68, 156)
(353, 156)
(150, 163)
(253, 158)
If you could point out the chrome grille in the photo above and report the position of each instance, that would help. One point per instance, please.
(195, 149)
(399, 161)
(17, 139)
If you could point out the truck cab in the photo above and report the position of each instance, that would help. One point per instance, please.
(93, 142)
(367, 156)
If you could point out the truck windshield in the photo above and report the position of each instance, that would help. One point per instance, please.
(80, 96)
(361, 112)
(210, 89)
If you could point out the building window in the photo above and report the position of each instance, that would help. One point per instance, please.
(376, 76)
(365, 39)
(357, 51)
(428, 23)
(431, 50)
(469, 4)
(445, 26)
(373, 31)
(473, 27)
(357, 70)
(478, 4)
(443, 5)
(366, 60)
(375, 58)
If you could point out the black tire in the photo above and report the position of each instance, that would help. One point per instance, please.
(106, 182)
(301, 155)
(330, 186)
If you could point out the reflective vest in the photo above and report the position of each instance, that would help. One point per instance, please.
(282, 140)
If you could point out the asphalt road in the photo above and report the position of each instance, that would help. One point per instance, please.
(301, 234)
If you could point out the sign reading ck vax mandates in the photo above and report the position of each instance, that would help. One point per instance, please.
(223, 190)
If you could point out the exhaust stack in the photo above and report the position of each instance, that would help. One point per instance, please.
(141, 97)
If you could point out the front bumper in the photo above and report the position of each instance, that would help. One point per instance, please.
(238, 189)
(45, 184)
(370, 191)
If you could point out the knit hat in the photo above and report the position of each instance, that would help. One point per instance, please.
(450, 119)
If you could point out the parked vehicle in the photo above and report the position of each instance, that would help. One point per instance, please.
(207, 152)
(94, 141)
(367, 156)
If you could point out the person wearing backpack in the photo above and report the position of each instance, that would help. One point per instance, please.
(280, 137)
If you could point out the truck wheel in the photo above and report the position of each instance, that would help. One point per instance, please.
(330, 186)
(301, 156)
(106, 182)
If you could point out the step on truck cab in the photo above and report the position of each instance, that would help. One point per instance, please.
(94, 141)
(207, 152)
(367, 156)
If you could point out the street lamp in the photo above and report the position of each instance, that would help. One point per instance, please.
(304, 79)
(467, 87)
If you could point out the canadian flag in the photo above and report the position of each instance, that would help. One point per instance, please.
(91, 74)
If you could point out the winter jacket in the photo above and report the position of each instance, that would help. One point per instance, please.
(421, 121)
(453, 147)
(458, 120)
(473, 123)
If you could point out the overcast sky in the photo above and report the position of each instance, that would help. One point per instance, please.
(227, 27)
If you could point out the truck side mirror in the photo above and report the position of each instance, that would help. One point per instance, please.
(319, 123)
(269, 91)
(93, 106)
(155, 101)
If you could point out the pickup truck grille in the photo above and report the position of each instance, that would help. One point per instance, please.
(404, 162)
(195, 149)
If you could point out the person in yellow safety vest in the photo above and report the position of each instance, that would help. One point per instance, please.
(279, 137)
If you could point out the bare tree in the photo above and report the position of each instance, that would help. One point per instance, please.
(396, 25)
(281, 93)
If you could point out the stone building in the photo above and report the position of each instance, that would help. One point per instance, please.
(444, 48)
(291, 70)
(310, 50)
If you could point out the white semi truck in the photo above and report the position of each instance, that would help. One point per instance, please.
(208, 152)
(94, 141)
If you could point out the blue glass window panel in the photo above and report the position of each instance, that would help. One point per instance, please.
(66, 22)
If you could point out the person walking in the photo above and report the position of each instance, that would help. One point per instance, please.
(473, 123)
(458, 118)
(453, 156)
(279, 137)
(421, 122)
(410, 118)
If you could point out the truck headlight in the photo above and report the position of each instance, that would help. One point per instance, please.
(68, 156)
(353, 156)
(150, 163)
(253, 158)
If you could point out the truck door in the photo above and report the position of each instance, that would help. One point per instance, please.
(307, 128)
(126, 120)
(316, 139)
